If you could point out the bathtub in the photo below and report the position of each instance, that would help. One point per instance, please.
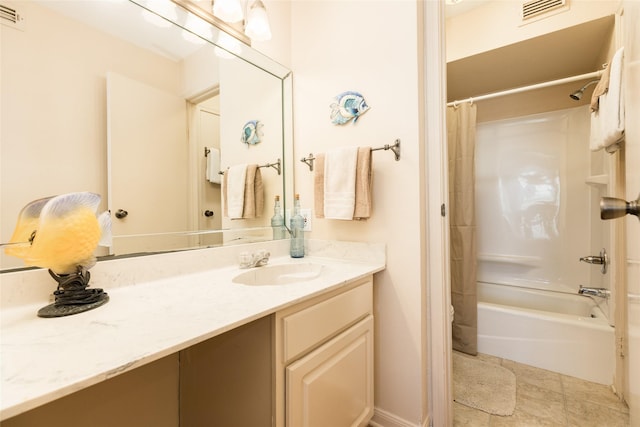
(559, 332)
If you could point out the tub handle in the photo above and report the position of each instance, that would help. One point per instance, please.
(602, 260)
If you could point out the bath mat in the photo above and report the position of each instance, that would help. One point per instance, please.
(482, 385)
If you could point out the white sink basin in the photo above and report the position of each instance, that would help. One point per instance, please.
(279, 274)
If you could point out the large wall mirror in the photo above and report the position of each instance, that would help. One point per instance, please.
(131, 102)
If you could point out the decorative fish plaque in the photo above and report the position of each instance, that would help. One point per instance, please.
(348, 106)
(252, 132)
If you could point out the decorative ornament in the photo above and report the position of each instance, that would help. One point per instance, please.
(61, 233)
(252, 132)
(350, 105)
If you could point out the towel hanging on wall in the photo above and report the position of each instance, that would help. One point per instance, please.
(235, 178)
(340, 182)
(213, 166)
(355, 201)
(607, 122)
(243, 192)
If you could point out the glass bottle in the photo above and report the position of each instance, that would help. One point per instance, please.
(277, 221)
(297, 230)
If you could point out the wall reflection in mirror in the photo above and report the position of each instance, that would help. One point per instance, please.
(113, 98)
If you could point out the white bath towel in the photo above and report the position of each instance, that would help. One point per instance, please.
(213, 166)
(340, 183)
(607, 124)
(235, 178)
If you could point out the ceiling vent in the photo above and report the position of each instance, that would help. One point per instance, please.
(10, 16)
(537, 8)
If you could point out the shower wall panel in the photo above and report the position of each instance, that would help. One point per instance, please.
(534, 209)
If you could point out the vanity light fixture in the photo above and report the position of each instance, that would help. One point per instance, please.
(256, 24)
(228, 10)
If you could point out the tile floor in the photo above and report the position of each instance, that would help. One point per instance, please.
(545, 398)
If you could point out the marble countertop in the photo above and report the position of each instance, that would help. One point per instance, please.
(145, 320)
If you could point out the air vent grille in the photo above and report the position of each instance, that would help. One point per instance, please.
(11, 17)
(534, 8)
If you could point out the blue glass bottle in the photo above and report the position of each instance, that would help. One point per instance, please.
(297, 231)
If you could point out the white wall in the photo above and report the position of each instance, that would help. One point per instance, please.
(370, 47)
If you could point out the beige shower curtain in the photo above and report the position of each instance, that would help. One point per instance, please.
(461, 137)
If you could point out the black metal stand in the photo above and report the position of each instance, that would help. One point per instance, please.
(72, 295)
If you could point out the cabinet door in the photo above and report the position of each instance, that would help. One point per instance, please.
(333, 385)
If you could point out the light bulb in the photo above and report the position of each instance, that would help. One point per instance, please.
(228, 10)
(257, 22)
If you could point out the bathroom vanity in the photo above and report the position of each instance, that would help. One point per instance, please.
(184, 342)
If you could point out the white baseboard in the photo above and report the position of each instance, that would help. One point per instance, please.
(383, 418)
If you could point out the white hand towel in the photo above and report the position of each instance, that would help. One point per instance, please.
(236, 177)
(340, 183)
(213, 166)
(607, 124)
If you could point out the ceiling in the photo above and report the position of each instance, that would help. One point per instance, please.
(572, 51)
(453, 7)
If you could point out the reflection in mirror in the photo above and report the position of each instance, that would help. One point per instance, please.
(124, 103)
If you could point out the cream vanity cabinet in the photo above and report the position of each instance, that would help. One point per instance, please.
(324, 359)
(309, 364)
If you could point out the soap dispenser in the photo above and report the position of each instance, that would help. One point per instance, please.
(297, 230)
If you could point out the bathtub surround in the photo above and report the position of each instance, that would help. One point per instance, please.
(461, 138)
(532, 176)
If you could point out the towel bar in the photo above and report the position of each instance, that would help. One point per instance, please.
(395, 148)
(309, 161)
(277, 165)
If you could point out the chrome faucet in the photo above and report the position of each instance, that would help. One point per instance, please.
(602, 260)
(256, 259)
(594, 292)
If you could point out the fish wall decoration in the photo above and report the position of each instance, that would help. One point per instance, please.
(349, 106)
(252, 132)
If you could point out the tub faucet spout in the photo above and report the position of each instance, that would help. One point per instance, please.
(595, 292)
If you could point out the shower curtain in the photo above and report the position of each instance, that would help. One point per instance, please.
(461, 139)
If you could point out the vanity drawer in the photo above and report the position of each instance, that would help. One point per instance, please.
(306, 329)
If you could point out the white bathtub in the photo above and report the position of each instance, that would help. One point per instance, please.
(559, 332)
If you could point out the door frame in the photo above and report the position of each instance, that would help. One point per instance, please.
(437, 316)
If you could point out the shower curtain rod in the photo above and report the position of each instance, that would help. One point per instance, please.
(595, 74)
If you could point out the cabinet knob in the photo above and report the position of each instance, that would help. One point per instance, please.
(208, 213)
(121, 213)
